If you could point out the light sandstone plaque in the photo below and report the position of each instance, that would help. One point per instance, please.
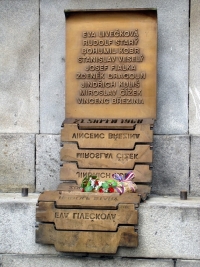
(124, 139)
(70, 172)
(111, 65)
(90, 200)
(142, 189)
(86, 219)
(94, 158)
(111, 59)
(87, 241)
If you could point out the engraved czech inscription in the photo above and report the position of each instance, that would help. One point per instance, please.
(111, 66)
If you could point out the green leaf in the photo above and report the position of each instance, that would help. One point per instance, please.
(88, 188)
(105, 185)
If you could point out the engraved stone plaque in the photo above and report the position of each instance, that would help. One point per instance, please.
(86, 219)
(87, 241)
(70, 172)
(124, 139)
(90, 158)
(88, 200)
(142, 189)
(111, 64)
(111, 59)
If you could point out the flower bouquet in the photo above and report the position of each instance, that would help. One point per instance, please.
(120, 184)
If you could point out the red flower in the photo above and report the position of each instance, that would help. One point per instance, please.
(96, 182)
(100, 190)
(111, 190)
(82, 189)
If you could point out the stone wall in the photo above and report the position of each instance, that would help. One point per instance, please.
(32, 41)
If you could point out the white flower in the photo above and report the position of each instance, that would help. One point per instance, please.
(92, 182)
(100, 183)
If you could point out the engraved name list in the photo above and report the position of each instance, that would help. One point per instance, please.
(110, 75)
(111, 65)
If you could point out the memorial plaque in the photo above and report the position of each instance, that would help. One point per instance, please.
(87, 219)
(107, 123)
(125, 139)
(143, 190)
(111, 59)
(70, 172)
(77, 200)
(91, 158)
(87, 241)
(111, 65)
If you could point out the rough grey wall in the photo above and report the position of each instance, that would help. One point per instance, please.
(194, 82)
(19, 68)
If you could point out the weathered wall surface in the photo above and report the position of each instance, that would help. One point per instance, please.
(32, 84)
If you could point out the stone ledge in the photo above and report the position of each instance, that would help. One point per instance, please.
(168, 228)
(187, 263)
(48, 261)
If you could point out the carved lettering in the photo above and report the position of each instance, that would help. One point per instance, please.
(119, 33)
(100, 50)
(99, 121)
(99, 84)
(129, 84)
(88, 34)
(98, 174)
(122, 67)
(130, 92)
(96, 68)
(123, 136)
(128, 59)
(126, 156)
(93, 100)
(92, 155)
(141, 75)
(96, 59)
(127, 42)
(95, 42)
(129, 50)
(93, 216)
(120, 100)
(86, 92)
(97, 75)
(62, 215)
(88, 136)
(109, 68)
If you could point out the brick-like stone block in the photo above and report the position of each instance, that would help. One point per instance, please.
(19, 68)
(187, 263)
(52, 66)
(170, 164)
(168, 228)
(17, 220)
(194, 98)
(194, 166)
(17, 162)
(47, 162)
(48, 261)
(172, 51)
